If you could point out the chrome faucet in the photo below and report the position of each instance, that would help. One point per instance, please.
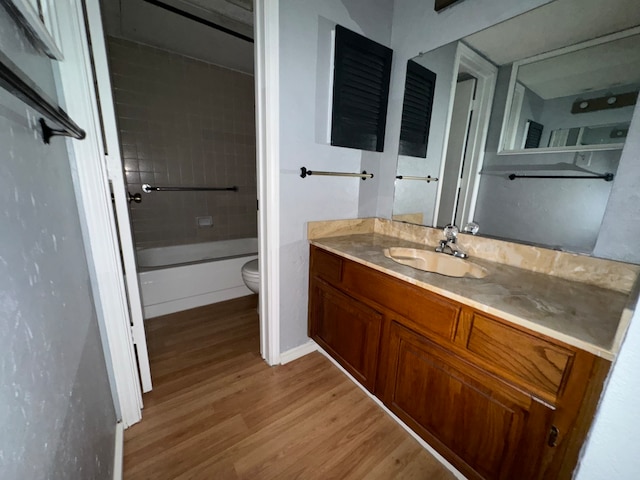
(450, 243)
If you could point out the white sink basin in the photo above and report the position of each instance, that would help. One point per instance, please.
(430, 261)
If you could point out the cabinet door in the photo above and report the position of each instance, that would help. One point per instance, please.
(347, 329)
(485, 427)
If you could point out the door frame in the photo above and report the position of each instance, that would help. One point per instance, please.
(447, 171)
(94, 197)
(115, 174)
(267, 85)
(97, 220)
(486, 75)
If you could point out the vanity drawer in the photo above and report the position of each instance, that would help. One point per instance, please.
(423, 312)
(326, 265)
(537, 362)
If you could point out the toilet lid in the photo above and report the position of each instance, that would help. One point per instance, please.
(251, 267)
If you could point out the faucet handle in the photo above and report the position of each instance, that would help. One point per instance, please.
(472, 228)
(451, 232)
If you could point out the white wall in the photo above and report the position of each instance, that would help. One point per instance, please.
(620, 228)
(305, 43)
(613, 444)
(56, 406)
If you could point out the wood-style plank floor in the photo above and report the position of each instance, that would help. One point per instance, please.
(217, 411)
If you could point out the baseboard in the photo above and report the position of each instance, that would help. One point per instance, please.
(297, 352)
(422, 443)
(118, 452)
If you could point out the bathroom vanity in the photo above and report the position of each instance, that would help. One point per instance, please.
(501, 375)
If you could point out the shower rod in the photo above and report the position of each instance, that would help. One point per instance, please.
(196, 18)
(146, 188)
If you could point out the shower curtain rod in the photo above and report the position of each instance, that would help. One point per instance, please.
(195, 18)
(146, 188)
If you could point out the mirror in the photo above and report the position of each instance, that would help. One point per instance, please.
(469, 175)
(580, 98)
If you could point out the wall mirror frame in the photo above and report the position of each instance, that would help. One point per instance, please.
(512, 120)
(550, 208)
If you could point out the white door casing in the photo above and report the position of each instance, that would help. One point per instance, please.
(95, 201)
(116, 176)
(456, 151)
(75, 82)
(268, 164)
(485, 74)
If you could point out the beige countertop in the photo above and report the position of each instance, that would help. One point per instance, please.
(586, 316)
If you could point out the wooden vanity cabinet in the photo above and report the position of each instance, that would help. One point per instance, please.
(347, 329)
(491, 428)
(495, 399)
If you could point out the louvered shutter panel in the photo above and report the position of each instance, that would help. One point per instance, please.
(362, 69)
(534, 134)
(416, 110)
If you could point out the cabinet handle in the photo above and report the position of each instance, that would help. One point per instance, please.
(553, 436)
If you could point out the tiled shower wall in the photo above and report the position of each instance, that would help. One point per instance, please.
(184, 122)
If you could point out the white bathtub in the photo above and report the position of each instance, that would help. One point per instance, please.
(180, 277)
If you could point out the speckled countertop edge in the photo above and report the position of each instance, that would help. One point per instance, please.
(573, 329)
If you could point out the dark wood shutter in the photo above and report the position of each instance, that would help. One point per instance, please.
(416, 110)
(534, 134)
(362, 69)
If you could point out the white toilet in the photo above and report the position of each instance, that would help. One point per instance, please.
(251, 276)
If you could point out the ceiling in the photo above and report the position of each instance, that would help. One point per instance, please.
(605, 66)
(145, 21)
(237, 10)
(552, 26)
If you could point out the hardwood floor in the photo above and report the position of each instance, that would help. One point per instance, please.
(217, 411)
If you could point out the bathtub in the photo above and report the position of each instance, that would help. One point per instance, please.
(180, 277)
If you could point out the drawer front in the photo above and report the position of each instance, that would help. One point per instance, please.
(423, 311)
(325, 265)
(538, 362)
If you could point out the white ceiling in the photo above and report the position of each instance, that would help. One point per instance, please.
(140, 21)
(552, 26)
(238, 10)
(605, 66)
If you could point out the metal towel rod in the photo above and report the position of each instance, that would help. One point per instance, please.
(364, 175)
(146, 188)
(607, 177)
(427, 179)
